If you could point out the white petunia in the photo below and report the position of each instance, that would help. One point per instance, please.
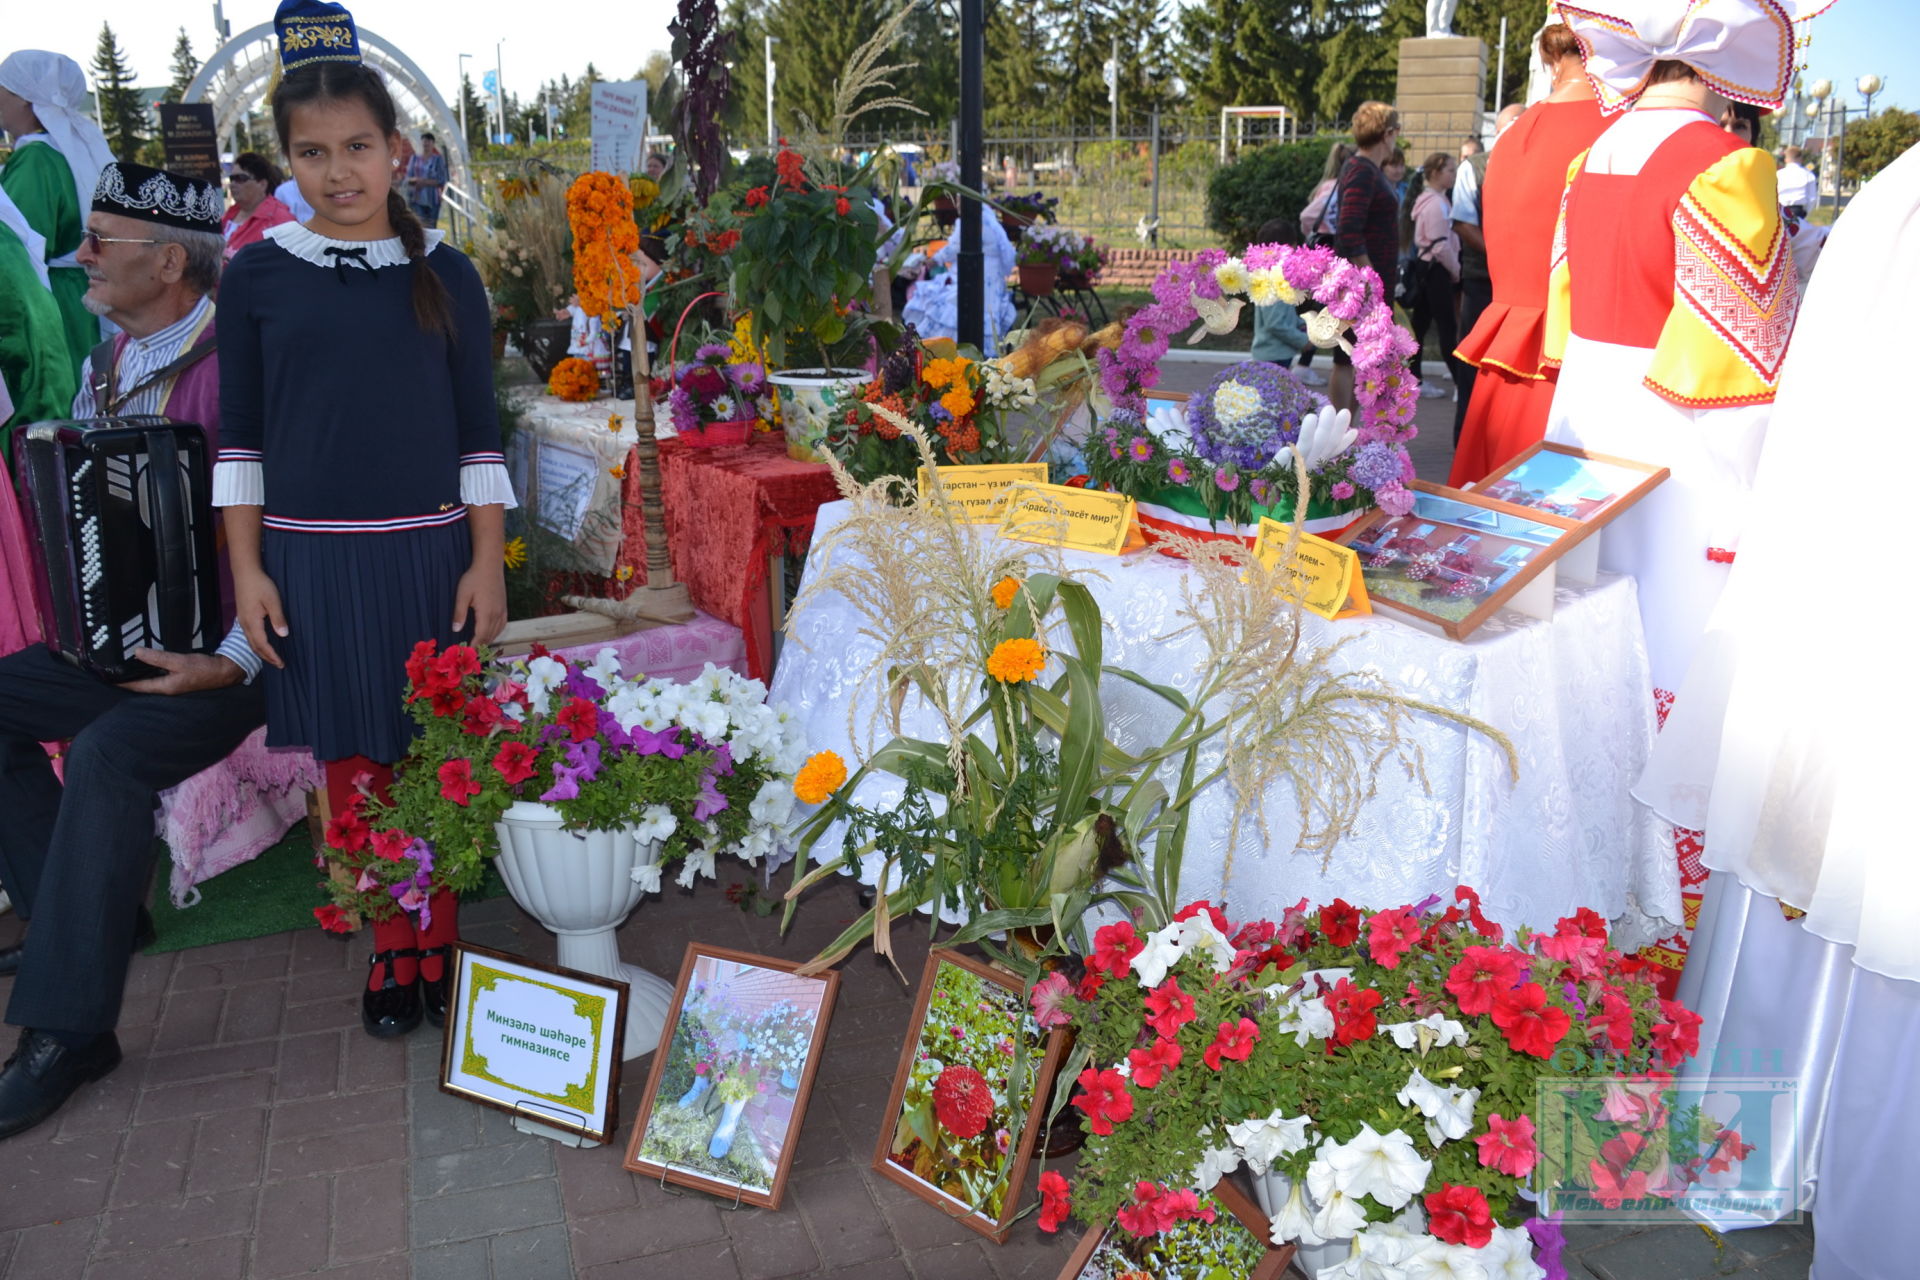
(1294, 1221)
(605, 667)
(1165, 947)
(699, 861)
(544, 675)
(1380, 1252)
(1214, 1165)
(1337, 1212)
(1438, 1260)
(1261, 1142)
(1431, 1032)
(1509, 1255)
(656, 823)
(1384, 1166)
(773, 804)
(647, 877)
(708, 719)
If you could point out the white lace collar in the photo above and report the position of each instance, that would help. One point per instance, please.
(312, 247)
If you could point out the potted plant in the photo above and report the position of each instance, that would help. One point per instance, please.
(1020, 212)
(527, 261)
(947, 390)
(716, 400)
(1043, 252)
(1375, 1073)
(1088, 261)
(587, 785)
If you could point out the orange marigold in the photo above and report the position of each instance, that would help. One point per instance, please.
(940, 372)
(574, 379)
(958, 402)
(1005, 590)
(819, 777)
(1015, 660)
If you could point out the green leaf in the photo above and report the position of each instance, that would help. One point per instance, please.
(1006, 918)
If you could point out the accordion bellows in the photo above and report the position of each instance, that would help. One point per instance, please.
(121, 517)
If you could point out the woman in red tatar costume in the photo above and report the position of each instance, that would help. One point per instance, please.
(1671, 300)
(1519, 204)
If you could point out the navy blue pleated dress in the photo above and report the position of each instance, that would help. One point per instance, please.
(360, 425)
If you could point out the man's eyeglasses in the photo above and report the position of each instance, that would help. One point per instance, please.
(95, 240)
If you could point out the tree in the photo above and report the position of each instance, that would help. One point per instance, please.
(1876, 142)
(121, 106)
(654, 71)
(816, 39)
(185, 68)
(476, 114)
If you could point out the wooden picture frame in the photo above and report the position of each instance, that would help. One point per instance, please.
(530, 1029)
(1464, 516)
(1505, 484)
(904, 1137)
(667, 1132)
(1241, 1212)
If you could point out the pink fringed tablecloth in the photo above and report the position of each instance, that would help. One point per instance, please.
(227, 815)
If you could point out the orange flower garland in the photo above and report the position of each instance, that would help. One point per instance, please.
(600, 211)
(574, 379)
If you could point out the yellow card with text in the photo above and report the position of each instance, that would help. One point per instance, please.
(980, 492)
(1059, 515)
(1325, 574)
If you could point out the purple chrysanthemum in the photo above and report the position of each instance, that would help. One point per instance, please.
(1375, 465)
(712, 351)
(1246, 413)
(681, 408)
(1341, 491)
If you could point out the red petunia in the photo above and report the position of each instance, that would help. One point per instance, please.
(457, 663)
(1149, 1064)
(514, 762)
(456, 782)
(391, 844)
(1089, 986)
(1055, 1200)
(962, 1101)
(418, 665)
(1213, 913)
(1352, 1009)
(483, 716)
(1114, 947)
(1169, 1008)
(1459, 1215)
(1729, 1151)
(1481, 925)
(580, 718)
(1391, 934)
(1156, 1209)
(1678, 1038)
(446, 700)
(332, 919)
(1340, 923)
(1106, 1100)
(1586, 920)
(347, 832)
(1530, 1024)
(1614, 1022)
(1233, 1040)
(1508, 1145)
(1482, 975)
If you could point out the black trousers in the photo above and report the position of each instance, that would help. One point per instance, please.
(76, 859)
(1476, 295)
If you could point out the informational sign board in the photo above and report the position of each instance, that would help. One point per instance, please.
(189, 140)
(619, 125)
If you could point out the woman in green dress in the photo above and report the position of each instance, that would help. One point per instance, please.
(58, 152)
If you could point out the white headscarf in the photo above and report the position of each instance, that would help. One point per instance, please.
(1744, 49)
(56, 87)
(36, 243)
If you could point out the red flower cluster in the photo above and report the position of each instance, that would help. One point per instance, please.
(1114, 947)
(756, 197)
(1529, 1023)
(792, 169)
(1352, 1009)
(1483, 975)
(1156, 1208)
(1236, 1040)
(1055, 1201)
(1459, 1215)
(1678, 1038)
(332, 919)
(1106, 1100)
(438, 679)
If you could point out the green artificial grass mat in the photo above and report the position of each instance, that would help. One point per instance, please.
(274, 893)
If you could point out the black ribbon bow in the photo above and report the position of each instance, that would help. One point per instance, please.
(343, 256)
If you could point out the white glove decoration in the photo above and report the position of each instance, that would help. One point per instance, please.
(1324, 435)
(1167, 422)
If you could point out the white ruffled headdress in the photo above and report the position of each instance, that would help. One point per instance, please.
(57, 88)
(1744, 49)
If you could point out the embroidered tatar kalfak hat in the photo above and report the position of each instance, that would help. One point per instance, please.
(314, 31)
(158, 196)
(1744, 49)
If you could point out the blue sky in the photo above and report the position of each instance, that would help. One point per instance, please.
(1858, 36)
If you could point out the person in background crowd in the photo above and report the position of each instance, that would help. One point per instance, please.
(1319, 219)
(1519, 203)
(656, 165)
(254, 207)
(1742, 120)
(1369, 233)
(427, 181)
(288, 194)
(76, 857)
(1476, 285)
(1434, 244)
(1395, 168)
(58, 153)
(1470, 148)
(1279, 334)
(1799, 189)
(33, 341)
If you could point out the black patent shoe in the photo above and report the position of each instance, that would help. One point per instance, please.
(433, 991)
(43, 1073)
(393, 1010)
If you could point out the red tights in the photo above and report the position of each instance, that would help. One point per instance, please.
(396, 932)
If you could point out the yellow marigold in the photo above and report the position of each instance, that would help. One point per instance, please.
(819, 777)
(623, 574)
(958, 402)
(1015, 660)
(515, 552)
(940, 373)
(1005, 590)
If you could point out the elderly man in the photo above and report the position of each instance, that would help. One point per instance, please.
(76, 860)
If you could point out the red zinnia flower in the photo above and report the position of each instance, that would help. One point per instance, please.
(1340, 923)
(1508, 1145)
(1352, 1009)
(1459, 1215)
(514, 762)
(456, 782)
(1482, 975)
(1114, 947)
(347, 832)
(1106, 1100)
(962, 1101)
(580, 718)
(1678, 1038)
(1530, 1024)
(332, 919)
(1169, 1008)
(1390, 934)
(1151, 1063)
(1054, 1200)
(391, 844)
(1234, 1041)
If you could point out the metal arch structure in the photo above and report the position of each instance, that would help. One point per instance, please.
(237, 77)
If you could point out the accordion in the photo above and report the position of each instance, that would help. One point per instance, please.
(120, 513)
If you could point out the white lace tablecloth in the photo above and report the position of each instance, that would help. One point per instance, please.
(1572, 694)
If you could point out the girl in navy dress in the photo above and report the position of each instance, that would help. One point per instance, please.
(360, 464)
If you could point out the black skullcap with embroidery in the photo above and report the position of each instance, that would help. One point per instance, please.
(158, 196)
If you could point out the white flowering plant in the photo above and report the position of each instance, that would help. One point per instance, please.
(779, 1037)
(705, 767)
(1383, 1064)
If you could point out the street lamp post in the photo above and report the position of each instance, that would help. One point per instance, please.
(466, 139)
(1819, 91)
(771, 41)
(1869, 85)
(500, 87)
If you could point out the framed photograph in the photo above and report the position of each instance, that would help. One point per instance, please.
(535, 1040)
(1559, 480)
(1457, 557)
(1234, 1244)
(725, 1098)
(970, 1094)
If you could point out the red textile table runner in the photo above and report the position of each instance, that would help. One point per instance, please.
(728, 509)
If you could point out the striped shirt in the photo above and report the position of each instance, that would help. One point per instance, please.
(140, 359)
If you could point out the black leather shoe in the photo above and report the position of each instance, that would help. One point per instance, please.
(43, 1073)
(433, 992)
(143, 936)
(393, 1010)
